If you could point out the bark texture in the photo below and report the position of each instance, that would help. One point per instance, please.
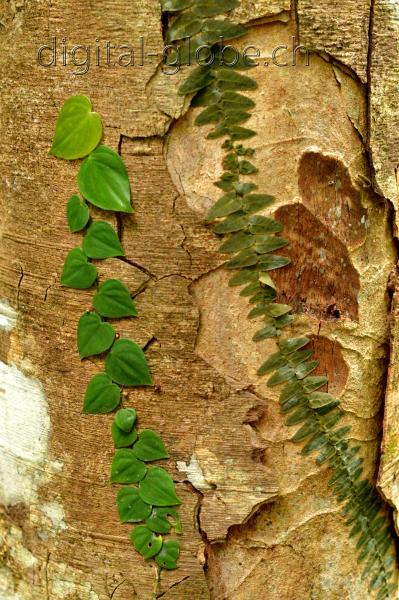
(259, 519)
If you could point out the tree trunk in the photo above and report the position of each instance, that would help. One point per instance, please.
(259, 518)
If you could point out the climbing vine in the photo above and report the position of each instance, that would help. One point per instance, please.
(216, 86)
(103, 182)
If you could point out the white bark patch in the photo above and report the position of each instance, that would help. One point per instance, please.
(194, 473)
(55, 512)
(25, 426)
(8, 316)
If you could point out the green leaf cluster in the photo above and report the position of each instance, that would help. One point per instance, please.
(151, 497)
(103, 181)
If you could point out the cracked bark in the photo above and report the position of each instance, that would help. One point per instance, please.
(258, 519)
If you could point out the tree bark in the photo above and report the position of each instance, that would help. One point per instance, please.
(259, 519)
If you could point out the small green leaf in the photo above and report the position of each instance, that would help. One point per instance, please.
(282, 375)
(267, 281)
(277, 310)
(300, 415)
(230, 163)
(305, 431)
(269, 243)
(260, 224)
(252, 288)
(311, 384)
(266, 333)
(276, 361)
(300, 357)
(284, 321)
(293, 390)
(126, 364)
(233, 117)
(126, 468)
(113, 300)
(207, 97)
(159, 522)
(94, 336)
(131, 508)
(78, 129)
(241, 133)
(238, 241)
(316, 443)
(253, 203)
(320, 399)
(246, 167)
(212, 114)
(269, 262)
(168, 556)
(102, 396)
(228, 79)
(231, 224)
(303, 370)
(245, 258)
(125, 419)
(244, 276)
(122, 439)
(209, 8)
(146, 542)
(213, 30)
(158, 488)
(101, 241)
(78, 273)
(150, 446)
(174, 5)
(244, 188)
(293, 344)
(185, 26)
(198, 79)
(226, 205)
(78, 214)
(103, 180)
(236, 101)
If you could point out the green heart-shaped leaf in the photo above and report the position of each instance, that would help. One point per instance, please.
(78, 129)
(125, 419)
(113, 300)
(146, 542)
(94, 336)
(102, 396)
(122, 439)
(101, 241)
(77, 272)
(126, 468)
(159, 522)
(131, 508)
(126, 364)
(150, 446)
(78, 214)
(169, 554)
(158, 488)
(104, 181)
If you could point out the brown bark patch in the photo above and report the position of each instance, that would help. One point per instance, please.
(321, 279)
(326, 190)
(331, 364)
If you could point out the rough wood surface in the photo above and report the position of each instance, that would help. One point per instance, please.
(256, 514)
(342, 254)
(384, 78)
(341, 31)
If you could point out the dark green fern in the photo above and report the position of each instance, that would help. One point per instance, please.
(251, 245)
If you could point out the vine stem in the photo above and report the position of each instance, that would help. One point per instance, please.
(158, 572)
